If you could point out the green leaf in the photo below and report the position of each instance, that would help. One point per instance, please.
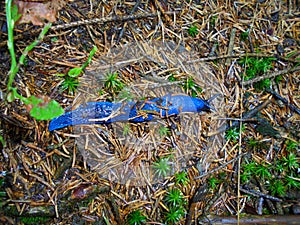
(43, 110)
(2, 141)
(60, 75)
(34, 100)
(75, 72)
(15, 16)
(92, 53)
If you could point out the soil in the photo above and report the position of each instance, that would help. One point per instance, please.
(239, 161)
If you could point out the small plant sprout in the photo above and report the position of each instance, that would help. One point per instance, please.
(162, 167)
(113, 83)
(126, 129)
(69, 83)
(256, 66)
(175, 197)
(136, 218)
(232, 134)
(213, 182)
(244, 35)
(163, 131)
(292, 182)
(277, 187)
(291, 162)
(191, 87)
(175, 202)
(174, 215)
(41, 108)
(248, 171)
(181, 178)
(172, 78)
(213, 20)
(70, 80)
(263, 171)
(291, 145)
(193, 31)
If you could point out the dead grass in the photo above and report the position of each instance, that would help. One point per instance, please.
(92, 173)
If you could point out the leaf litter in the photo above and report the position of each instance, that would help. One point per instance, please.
(50, 174)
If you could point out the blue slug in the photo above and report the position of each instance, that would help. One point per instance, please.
(136, 112)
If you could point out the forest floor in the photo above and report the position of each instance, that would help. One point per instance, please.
(238, 163)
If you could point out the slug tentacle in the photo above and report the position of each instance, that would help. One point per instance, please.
(108, 112)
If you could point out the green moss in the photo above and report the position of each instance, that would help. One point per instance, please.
(34, 220)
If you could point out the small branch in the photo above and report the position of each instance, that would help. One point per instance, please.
(125, 24)
(259, 55)
(104, 20)
(230, 47)
(220, 167)
(250, 114)
(259, 194)
(271, 75)
(251, 219)
(284, 100)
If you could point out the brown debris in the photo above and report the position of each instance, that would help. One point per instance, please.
(69, 175)
(38, 11)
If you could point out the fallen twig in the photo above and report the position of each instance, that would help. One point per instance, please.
(271, 75)
(246, 116)
(259, 194)
(251, 219)
(284, 100)
(220, 167)
(230, 47)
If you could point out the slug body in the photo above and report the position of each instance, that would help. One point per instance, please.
(136, 112)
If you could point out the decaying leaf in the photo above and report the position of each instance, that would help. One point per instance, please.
(38, 11)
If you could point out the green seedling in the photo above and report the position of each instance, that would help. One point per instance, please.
(163, 131)
(175, 203)
(70, 84)
(191, 87)
(41, 108)
(70, 80)
(34, 220)
(291, 161)
(277, 187)
(279, 167)
(213, 182)
(174, 215)
(213, 20)
(162, 167)
(232, 134)
(2, 141)
(255, 66)
(292, 182)
(54, 39)
(113, 83)
(279, 79)
(172, 78)
(126, 129)
(136, 218)
(174, 198)
(181, 178)
(262, 171)
(244, 35)
(248, 170)
(261, 85)
(291, 145)
(193, 31)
